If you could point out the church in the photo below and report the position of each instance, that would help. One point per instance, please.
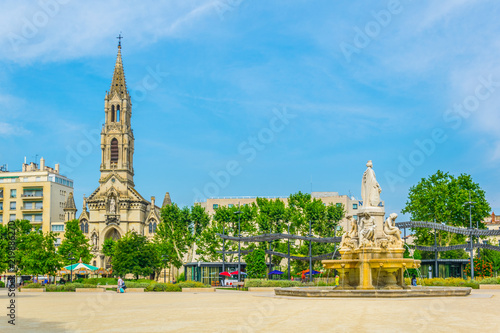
(116, 207)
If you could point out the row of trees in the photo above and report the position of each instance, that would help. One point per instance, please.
(34, 253)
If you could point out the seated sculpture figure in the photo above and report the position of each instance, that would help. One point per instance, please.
(366, 230)
(349, 240)
(393, 232)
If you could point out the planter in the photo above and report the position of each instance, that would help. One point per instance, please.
(261, 288)
(32, 290)
(489, 286)
(198, 290)
(90, 290)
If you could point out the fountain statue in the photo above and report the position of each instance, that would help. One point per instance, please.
(372, 263)
(372, 251)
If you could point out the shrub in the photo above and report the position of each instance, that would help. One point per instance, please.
(167, 287)
(448, 282)
(2, 284)
(181, 277)
(132, 284)
(100, 281)
(33, 285)
(192, 284)
(490, 280)
(277, 283)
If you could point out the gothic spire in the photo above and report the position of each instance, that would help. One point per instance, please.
(118, 83)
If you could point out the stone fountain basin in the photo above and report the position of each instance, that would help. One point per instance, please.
(374, 263)
(373, 293)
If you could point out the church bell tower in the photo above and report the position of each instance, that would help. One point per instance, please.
(117, 138)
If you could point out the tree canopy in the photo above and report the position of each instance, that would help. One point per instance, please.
(74, 243)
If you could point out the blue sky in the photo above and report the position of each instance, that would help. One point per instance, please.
(266, 96)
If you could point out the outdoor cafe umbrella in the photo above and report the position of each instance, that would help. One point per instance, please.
(225, 274)
(275, 272)
(314, 272)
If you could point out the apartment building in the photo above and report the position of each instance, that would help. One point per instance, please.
(37, 193)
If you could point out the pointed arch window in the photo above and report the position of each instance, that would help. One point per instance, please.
(117, 113)
(114, 150)
(112, 113)
(86, 227)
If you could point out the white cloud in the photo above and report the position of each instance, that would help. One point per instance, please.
(70, 29)
(7, 129)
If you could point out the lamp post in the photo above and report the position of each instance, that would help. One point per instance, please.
(288, 251)
(223, 249)
(471, 203)
(310, 252)
(239, 242)
(71, 258)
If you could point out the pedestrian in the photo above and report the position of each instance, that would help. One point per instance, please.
(121, 285)
(414, 280)
(337, 280)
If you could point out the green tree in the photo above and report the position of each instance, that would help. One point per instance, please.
(108, 248)
(76, 243)
(36, 254)
(441, 198)
(200, 220)
(174, 233)
(4, 248)
(256, 264)
(134, 254)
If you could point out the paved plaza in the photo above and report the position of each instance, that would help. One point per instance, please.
(238, 311)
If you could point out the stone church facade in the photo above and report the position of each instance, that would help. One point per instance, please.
(116, 207)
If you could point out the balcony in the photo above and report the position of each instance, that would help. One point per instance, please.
(32, 209)
(28, 196)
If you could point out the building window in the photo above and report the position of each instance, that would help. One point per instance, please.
(39, 205)
(13, 205)
(114, 150)
(57, 242)
(117, 113)
(230, 205)
(215, 206)
(37, 179)
(1, 205)
(354, 206)
(355, 217)
(58, 227)
(12, 217)
(13, 193)
(339, 204)
(1, 218)
(38, 218)
(1, 192)
(112, 113)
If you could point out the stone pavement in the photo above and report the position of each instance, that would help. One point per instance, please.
(238, 311)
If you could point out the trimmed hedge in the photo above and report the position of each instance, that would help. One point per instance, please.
(171, 287)
(490, 280)
(448, 282)
(283, 283)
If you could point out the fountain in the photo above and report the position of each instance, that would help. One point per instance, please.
(372, 262)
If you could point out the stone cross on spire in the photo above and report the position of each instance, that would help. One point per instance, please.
(118, 83)
(119, 39)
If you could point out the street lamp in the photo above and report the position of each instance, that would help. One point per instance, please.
(223, 248)
(310, 251)
(71, 258)
(239, 242)
(471, 203)
(288, 251)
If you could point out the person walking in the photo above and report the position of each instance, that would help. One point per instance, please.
(337, 280)
(121, 285)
